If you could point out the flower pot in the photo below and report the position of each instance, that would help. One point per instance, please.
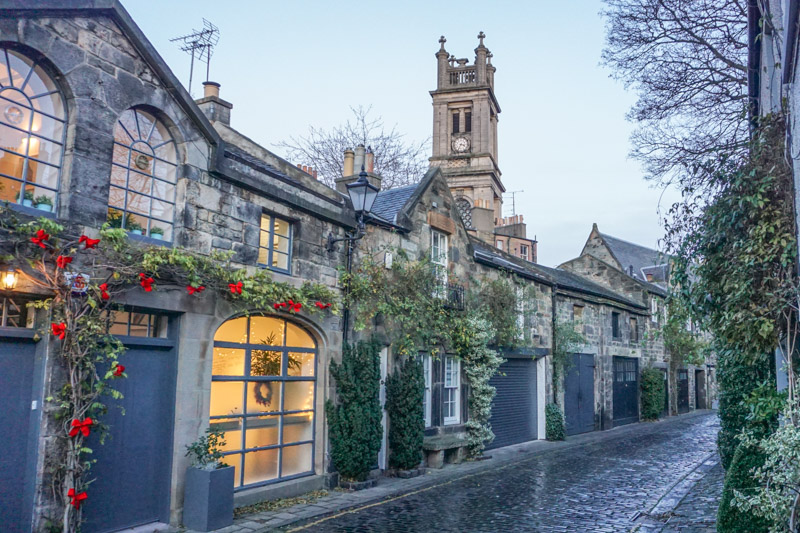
(27, 203)
(136, 232)
(44, 207)
(208, 498)
(157, 236)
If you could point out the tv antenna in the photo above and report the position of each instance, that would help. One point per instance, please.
(513, 195)
(199, 44)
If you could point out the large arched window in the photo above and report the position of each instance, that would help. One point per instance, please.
(141, 198)
(32, 129)
(262, 397)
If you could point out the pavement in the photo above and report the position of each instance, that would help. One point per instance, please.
(648, 477)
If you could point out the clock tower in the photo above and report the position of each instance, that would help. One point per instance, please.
(465, 114)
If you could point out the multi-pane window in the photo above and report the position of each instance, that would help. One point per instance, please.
(468, 121)
(275, 246)
(615, 325)
(32, 130)
(141, 198)
(15, 313)
(455, 122)
(523, 251)
(452, 386)
(262, 397)
(465, 210)
(426, 399)
(625, 369)
(634, 330)
(439, 260)
(138, 324)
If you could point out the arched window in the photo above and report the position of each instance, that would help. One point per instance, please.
(465, 210)
(141, 198)
(32, 129)
(262, 397)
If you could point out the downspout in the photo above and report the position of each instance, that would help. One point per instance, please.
(553, 341)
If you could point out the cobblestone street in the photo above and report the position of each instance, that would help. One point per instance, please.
(610, 484)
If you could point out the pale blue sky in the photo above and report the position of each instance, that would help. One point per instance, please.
(563, 138)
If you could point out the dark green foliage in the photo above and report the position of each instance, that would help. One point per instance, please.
(731, 519)
(355, 420)
(554, 422)
(652, 393)
(498, 301)
(405, 390)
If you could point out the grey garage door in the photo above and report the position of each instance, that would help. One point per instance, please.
(132, 473)
(579, 394)
(16, 385)
(514, 407)
(626, 390)
(683, 390)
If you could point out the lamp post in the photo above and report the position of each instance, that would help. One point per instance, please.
(362, 195)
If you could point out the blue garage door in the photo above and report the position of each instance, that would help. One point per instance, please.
(514, 406)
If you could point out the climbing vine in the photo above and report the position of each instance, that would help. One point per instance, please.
(566, 341)
(79, 279)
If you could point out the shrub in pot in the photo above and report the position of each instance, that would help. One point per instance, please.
(156, 232)
(208, 490)
(45, 203)
(26, 198)
(134, 227)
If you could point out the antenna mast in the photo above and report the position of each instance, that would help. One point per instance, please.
(513, 201)
(199, 44)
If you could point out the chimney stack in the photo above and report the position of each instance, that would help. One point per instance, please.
(213, 107)
(359, 159)
(370, 158)
(348, 163)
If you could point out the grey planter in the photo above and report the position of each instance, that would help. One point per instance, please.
(208, 499)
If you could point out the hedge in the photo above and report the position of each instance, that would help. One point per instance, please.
(652, 393)
(405, 392)
(554, 422)
(731, 519)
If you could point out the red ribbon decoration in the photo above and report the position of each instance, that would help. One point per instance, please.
(82, 426)
(90, 243)
(41, 236)
(236, 288)
(146, 282)
(76, 498)
(104, 291)
(59, 330)
(62, 261)
(192, 290)
(322, 305)
(276, 306)
(119, 370)
(295, 306)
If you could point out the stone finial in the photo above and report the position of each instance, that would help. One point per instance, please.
(481, 37)
(489, 56)
(442, 40)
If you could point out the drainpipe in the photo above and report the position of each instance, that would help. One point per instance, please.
(553, 341)
(346, 310)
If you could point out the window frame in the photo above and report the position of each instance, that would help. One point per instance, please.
(427, 373)
(468, 122)
(615, 330)
(271, 248)
(525, 255)
(439, 259)
(456, 122)
(454, 389)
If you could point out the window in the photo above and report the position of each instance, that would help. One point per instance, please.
(654, 309)
(452, 387)
(275, 247)
(138, 324)
(499, 245)
(634, 330)
(465, 210)
(577, 313)
(426, 399)
(439, 260)
(615, 325)
(455, 122)
(32, 130)
(262, 397)
(523, 251)
(15, 313)
(141, 198)
(468, 121)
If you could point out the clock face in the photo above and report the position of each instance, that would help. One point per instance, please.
(460, 145)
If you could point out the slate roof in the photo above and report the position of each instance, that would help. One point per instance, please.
(255, 163)
(640, 257)
(391, 201)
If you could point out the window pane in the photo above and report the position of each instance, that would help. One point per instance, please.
(120, 324)
(139, 324)
(260, 466)
(141, 159)
(140, 183)
(166, 152)
(235, 460)
(266, 330)
(298, 427)
(281, 227)
(226, 398)
(44, 150)
(300, 364)
(116, 198)
(162, 210)
(11, 164)
(299, 395)
(138, 203)
(232, 427)
(281, 244)
(263, 255)
(44, 199)
(296, 460)
(233, 331)
(264, 397)
(298, 337)
(12, 140)
(43, 174)
(265, 363)
(119, 176)
(280, 261)
(262, 431)
(164, 171)
(228, 362)
(265, 222)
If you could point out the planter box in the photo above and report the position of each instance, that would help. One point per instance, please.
(208, 498)
(358, 485)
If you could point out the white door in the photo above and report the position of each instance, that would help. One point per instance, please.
(382, 456)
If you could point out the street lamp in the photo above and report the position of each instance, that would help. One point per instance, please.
(362, 195)
(9, 279)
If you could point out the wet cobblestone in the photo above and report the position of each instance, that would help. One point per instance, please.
(697, 512)
(600, 486)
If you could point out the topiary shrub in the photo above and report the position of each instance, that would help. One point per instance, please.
(739, 478)
(355, 420)
(652, 380)
(405, 391)
(554, 422)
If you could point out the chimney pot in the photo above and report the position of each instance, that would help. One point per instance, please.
(359, 158)
(210, 88)
(348, 163)
(370, 161)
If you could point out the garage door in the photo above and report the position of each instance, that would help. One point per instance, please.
(626, 390)
(133, 466)
(579, 394)
(514, 407)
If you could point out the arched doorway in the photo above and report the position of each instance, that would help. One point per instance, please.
(263, 396)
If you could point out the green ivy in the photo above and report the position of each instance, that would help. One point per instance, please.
(405, 391)
(652, 384)
(554, 422)
(740, 479)
(566, 341)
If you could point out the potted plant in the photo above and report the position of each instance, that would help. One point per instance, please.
(208, 491)
(156, 232)
(26, 198)
(114, 218)
(133, 227)
(45, 203)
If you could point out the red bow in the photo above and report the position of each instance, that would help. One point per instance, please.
(104, 291)
(322, 305)
(77, 498)
(236, 288)
(59, 330)
(278, 306)
(146, 282)
(41, 236)
(295, 306)
(119, 370)
(81, 426)
(192, 290)
(62, 261)
(90, 243)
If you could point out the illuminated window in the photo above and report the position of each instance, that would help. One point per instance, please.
(138, 324)
(275, 247)
(32, 129)
(262, 397)
(141, 198)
